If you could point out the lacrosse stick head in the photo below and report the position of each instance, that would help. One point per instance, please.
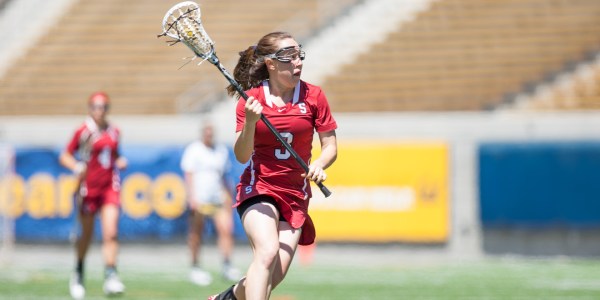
(182, 23)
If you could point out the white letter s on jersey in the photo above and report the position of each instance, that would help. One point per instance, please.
(302, 107)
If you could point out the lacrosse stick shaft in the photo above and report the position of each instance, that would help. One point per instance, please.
(266, 121)
(182, 23)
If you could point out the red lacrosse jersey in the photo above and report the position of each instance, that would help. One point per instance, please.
(272, 170)
(99, 149)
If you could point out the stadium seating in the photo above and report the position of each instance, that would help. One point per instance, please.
(577, 89)
(457, 55)
(112, 45)
(467, 55)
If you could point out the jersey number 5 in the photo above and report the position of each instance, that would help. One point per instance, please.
(283, 153)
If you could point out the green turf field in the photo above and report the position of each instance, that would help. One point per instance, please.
(493, 278)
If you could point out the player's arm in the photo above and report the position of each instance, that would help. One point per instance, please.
(68, 161)
(316, 170)
(187, 164)
(228, 186)
(244, 141)
(228, 191)
(121, 163)
(189, 186)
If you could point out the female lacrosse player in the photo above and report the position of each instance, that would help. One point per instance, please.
(274, 192)
(92, 154)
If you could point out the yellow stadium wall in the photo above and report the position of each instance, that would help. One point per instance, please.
(385, 192)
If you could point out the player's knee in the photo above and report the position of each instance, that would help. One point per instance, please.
(110, 237)
(266, 255)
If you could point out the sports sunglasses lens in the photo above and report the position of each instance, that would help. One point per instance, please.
(284, 59)
(289, 57)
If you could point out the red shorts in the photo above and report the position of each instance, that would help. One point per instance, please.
(295, 215)
(92, 204)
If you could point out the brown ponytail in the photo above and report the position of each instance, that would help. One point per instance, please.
(251, 70)
(243, 72)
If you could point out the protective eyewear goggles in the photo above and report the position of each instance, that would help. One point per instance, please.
(99, 106)
(288, 54)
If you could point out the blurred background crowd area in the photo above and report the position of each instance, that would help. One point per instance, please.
(418, 55)
(476, 120)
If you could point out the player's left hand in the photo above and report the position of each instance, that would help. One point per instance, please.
(121, 163)
(315, 173)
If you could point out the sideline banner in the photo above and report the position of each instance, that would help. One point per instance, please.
(152, 195)
(382, 192)
(385, 192)
(539, 185)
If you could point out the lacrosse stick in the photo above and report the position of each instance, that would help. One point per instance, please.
(182, 23)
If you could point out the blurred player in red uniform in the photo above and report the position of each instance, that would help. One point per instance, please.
(92, 154)
(274, 191)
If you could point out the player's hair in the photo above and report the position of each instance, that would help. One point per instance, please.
(251, 70)
(99, 96)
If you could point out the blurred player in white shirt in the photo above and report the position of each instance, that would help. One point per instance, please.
(204, 164)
